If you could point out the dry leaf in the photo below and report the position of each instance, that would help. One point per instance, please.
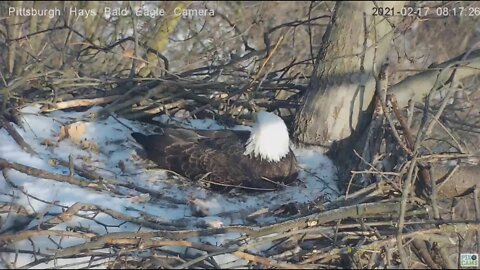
(76, 131)
(63, 133)
(53, 162)
(73, 131)
(202, 207)
(143, 198)
(89, 145)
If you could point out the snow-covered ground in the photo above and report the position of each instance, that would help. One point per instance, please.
(106, 147)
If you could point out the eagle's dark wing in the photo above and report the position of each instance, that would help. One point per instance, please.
(215, 157)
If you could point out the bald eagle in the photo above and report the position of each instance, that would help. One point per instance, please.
(260, 159)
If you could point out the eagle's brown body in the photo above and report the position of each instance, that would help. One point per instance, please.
(217, 158)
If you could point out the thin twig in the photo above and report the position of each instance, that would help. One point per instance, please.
(403, 203)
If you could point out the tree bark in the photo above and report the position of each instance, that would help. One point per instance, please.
(342, 86)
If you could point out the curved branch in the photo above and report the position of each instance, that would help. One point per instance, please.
(418, 86)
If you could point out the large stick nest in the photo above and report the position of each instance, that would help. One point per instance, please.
(412, 200)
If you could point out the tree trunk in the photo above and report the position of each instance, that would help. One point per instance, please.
(342, 86)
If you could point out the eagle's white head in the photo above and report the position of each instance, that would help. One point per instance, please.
(269, 138)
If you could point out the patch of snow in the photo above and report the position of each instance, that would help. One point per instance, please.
(115, 157)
